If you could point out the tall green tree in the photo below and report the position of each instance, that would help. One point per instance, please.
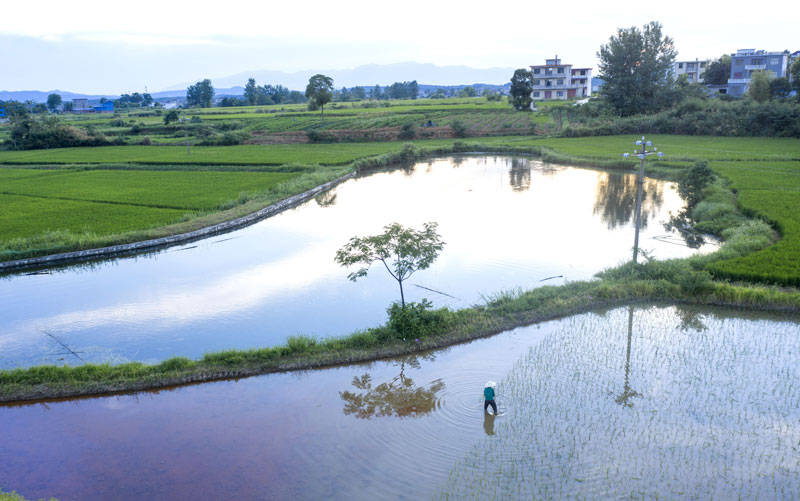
(521, 89)
(794, 75)
(402, 251)
(319, 91)
(251, 91)
(718, 71)
(780, 87)
(53, 101)
(760, 86)
(200, 94)
(636, 66)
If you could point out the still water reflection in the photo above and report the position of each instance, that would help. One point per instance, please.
(508, 222)
(715, 414)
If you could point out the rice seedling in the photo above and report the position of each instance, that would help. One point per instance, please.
(701, 404)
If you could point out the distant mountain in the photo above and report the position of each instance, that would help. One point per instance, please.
(38, 96)
(427, 75)
(369, 75)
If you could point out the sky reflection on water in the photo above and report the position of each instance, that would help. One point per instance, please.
(507, 222)
(716, 403)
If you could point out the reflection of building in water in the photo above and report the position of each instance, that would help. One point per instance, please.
(615, 200)
(520, 174)
(399, 397)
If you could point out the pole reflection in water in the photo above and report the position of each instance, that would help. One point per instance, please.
(625, 398)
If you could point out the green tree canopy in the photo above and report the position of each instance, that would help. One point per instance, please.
(718, 71)
(521, 89)
(759, 86)
(780, 87)
(251, 92)
(794, 72)
(403, 251)
(200, 94)
(636, 66)
(53, 101)
(319, 91)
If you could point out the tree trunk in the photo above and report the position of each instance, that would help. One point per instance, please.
(402, 297)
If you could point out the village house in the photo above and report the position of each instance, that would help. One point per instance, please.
(554, 80)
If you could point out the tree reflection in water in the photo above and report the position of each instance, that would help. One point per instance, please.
(399, 397)
(520, 174)
(326, 199)
(615, 199)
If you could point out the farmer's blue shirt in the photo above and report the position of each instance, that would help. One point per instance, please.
(488, 393)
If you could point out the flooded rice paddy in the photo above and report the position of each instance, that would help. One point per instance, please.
(507, 221)
(643, 401)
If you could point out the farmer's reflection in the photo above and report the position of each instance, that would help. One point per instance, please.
(399, 397)
(488, 423)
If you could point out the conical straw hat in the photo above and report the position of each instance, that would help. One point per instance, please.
(491, 384)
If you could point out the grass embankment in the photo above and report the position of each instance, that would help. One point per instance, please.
(672, 283)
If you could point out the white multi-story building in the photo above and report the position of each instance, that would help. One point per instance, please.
(554, 80)
(694, 70)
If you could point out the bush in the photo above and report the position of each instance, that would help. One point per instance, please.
(459, 128)
(48, 132)
(226, 139)
(418, 320)
(408, 131)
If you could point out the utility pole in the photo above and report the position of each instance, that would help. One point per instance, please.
(642, 154)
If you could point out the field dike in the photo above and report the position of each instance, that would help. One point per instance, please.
(672, 281)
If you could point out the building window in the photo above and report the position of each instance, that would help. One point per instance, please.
(703, 64)
(536, 94)
(680, 66)
(561, 70)
(583, 72)
(560, 93)
(774, 60)
(739, 62)
(536, 71)
(757, 61)
(560, 81)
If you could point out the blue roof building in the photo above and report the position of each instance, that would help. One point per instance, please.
(2, 112)
(746, 61)
(107, 107)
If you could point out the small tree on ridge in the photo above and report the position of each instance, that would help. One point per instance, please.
(402, 251)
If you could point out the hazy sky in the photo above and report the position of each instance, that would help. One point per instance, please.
(110, 47)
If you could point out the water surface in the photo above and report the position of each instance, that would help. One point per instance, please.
(507, 222)
(651, 401)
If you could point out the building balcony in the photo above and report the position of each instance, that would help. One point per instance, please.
(755, 67)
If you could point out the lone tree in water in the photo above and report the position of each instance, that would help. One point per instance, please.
(401, 250)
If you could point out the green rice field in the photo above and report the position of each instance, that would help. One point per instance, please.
(705, 407)
(115, 201)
